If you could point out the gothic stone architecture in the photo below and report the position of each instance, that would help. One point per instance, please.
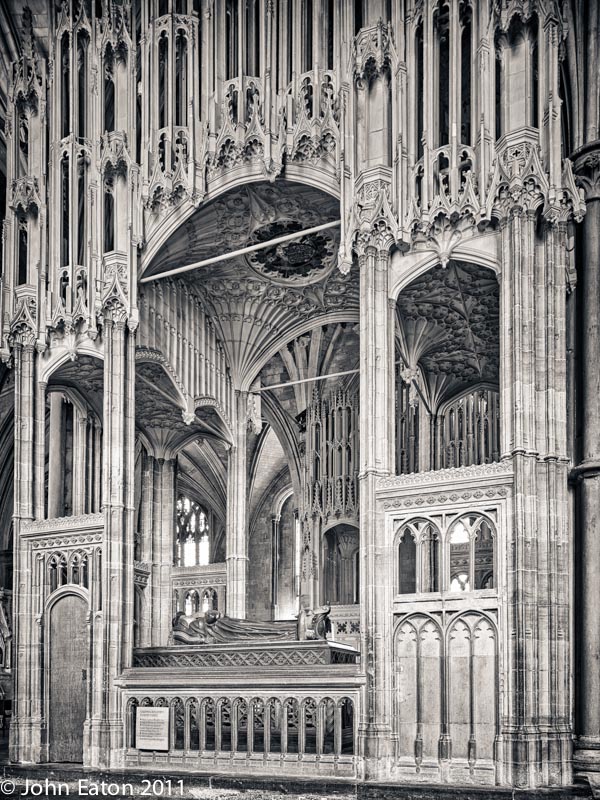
(300, 306)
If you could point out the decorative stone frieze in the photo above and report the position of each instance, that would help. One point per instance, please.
(66, 524)
(499, 469)
(272, 655)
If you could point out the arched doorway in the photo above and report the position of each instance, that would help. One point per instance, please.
(68, 649)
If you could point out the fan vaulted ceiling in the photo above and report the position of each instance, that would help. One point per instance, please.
(448, 326)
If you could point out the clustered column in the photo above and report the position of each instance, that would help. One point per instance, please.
(25, 730)
(237, 545)
(376, 443)
(163, 534)
(587, 721)
(535, 748)
(116, 629)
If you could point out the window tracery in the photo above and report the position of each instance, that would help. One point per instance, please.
(63, 569)
(193, 534)
(466, 547)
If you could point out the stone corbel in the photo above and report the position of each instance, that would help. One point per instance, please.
(25, 195)
(443, 234)
(519, 179)
(373, 49)
(587, 170)
(24, 324)
(567, 202)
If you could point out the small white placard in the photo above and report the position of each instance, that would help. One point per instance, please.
(152, 728)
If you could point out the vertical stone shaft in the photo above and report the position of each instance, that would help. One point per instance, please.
(376, 358)
(117, 617)
(237, 546)
(56, 456)
(40, 443)
(25, 727)
(588, 470)
(163, 532)
(79, 460)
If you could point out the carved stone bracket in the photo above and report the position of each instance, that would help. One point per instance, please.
(23, 327)
(374, 221)
(25, 195)
(373, 51)
(587, 170)
(443, 234)
(519, 180)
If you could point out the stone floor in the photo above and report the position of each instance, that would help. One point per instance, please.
(54, 780)
(72, 780)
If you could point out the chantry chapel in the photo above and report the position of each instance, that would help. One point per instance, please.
(299, 397)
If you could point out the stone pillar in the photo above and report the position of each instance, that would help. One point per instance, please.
(79, 460)
(103, 740)
(376, 404)
(56, 467)
(275, 520)
(534, 748)
(587, 550)
(163, 537)
(40, 451)
(237, 544)
(25, 729)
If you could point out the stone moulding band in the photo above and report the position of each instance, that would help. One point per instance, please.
(499, 469)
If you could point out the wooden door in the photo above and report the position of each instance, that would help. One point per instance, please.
(68, 665)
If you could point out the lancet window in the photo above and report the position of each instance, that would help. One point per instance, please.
(181, 77)
(466, 60)
(22, 249)
(447, 121)
(441, 27)
(466, 548)
(517, 76)
(63, 569)
(65, 207)
(163, 79)
(418, 558)
(420, 82)
(109, 89)
(82, 90)
(306, 35)
(65, 85)
(81, 209)
(109, 214)
(471, 554)
(231, 38)
(193, 534)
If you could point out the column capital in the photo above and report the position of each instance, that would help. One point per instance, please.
(374, 243)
